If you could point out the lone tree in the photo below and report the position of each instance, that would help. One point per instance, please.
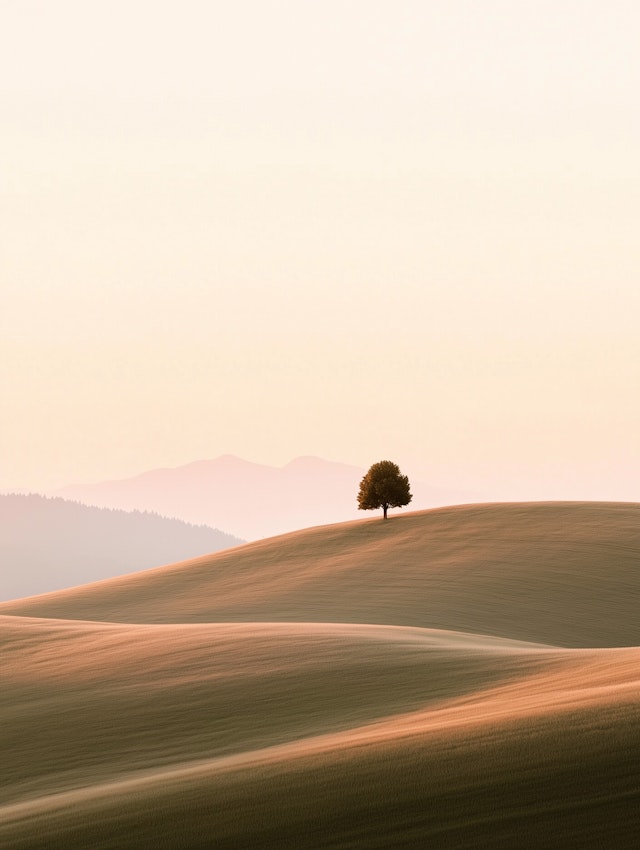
(383, 487)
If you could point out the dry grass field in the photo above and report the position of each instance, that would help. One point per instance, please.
(459, 678)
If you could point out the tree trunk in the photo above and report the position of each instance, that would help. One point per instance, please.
(385, 508)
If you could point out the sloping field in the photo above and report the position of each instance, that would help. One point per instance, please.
(565, 574)
(332, 689)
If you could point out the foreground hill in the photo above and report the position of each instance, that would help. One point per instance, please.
(566, 574)
(47, 544)
(281, 730)
(312, 736)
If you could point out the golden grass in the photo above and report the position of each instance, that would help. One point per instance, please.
(564, 574)
(277, 725)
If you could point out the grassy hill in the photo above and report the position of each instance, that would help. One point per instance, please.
(460, 678)
(560, 573)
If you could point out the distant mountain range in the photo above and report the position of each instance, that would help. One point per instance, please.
(49, 543)
(247, 499)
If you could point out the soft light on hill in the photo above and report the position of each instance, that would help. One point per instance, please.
(227, 705)
(512, 570)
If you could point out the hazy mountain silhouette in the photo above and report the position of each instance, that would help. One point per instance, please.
(49, 544)
(248, 499)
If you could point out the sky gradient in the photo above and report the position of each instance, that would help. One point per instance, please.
(359, 230)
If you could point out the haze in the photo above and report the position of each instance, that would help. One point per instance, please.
(353, 230)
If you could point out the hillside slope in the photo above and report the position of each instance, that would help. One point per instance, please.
(193, 700)
(512, 570)
(312, 736)
(291, 729)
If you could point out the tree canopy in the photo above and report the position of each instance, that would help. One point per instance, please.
(384, 487)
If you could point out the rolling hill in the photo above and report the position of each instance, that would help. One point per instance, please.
(460, 678)
(511, 570)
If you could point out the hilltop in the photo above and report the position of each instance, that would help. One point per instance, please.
(250, 500)
(512, 570)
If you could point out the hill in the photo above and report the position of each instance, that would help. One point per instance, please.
(230, 707)
(511, 570)
(250, 500)
(47, 544)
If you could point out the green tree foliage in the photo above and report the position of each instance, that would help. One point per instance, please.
(384, 487)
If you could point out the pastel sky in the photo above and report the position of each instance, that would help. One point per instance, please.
(360, 230)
